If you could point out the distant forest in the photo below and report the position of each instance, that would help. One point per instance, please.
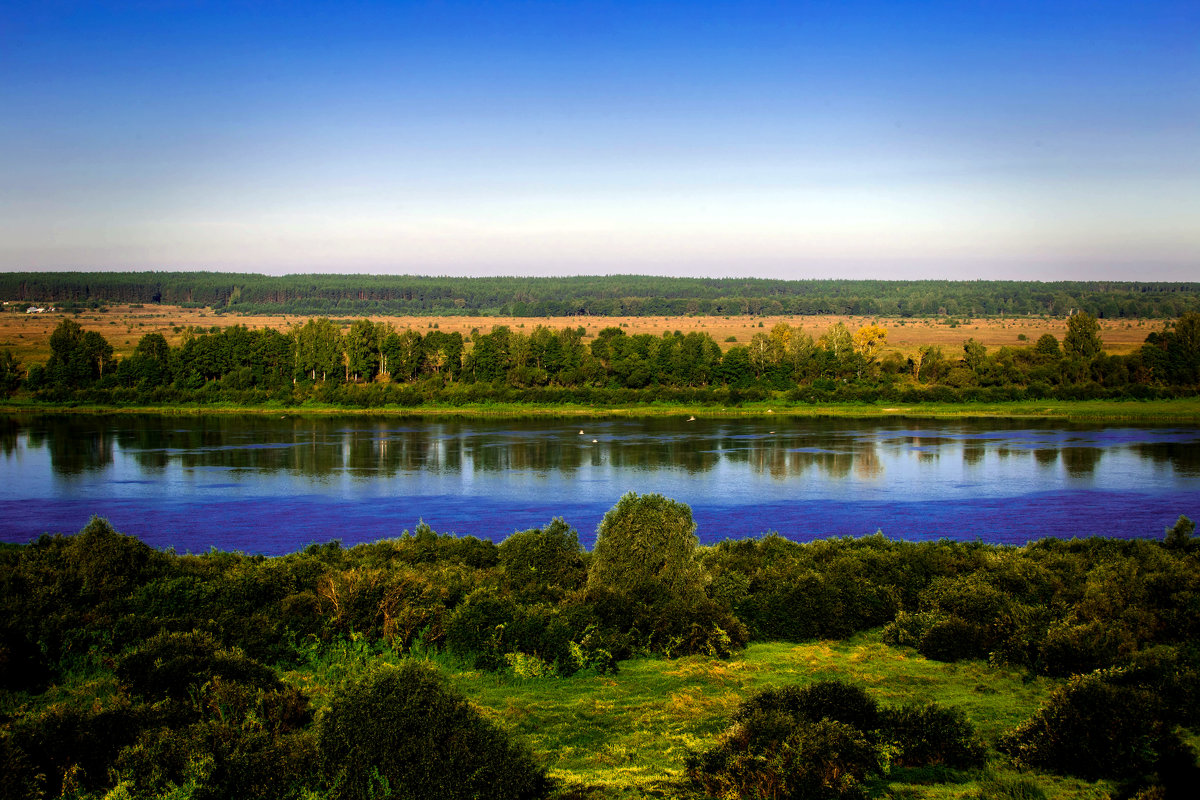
(613, 295)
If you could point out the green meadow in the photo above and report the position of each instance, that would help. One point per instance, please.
(626, 735)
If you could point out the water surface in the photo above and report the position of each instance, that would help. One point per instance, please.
(272, 485)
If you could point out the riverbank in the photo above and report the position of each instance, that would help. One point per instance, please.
(1179, 410)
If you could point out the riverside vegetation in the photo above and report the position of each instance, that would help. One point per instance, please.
(372, 365)
(439, 666)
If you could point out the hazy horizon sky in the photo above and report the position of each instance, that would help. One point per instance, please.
(1051, 140)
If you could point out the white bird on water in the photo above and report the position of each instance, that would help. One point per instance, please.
(691, 419)
(581, 433)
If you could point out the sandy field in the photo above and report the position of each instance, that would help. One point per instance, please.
(28, 335)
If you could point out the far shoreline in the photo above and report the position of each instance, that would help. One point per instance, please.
(1185, 410)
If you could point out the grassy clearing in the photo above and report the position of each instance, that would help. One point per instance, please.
(626, 735)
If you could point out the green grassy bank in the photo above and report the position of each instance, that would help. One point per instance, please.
(1178, 410)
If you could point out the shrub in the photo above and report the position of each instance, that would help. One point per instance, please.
(835, 700)
(951, 638)
(1093, 729)
(216, 760)
(406, 728)
(174, 665)
(70, 744)
(645, 541)
(536, 559)
(770, 754)
(931, 735)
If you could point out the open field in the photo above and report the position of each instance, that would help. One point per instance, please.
(28, 335)
(626, 735)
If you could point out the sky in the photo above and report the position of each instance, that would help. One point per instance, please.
(972, 139)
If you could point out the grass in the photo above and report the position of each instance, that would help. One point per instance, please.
(1162, 411)
(626, 735)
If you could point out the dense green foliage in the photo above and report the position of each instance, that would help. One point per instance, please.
(820, 742)
(372, 365)
(404, 732)
(613, 295)
(130, 672)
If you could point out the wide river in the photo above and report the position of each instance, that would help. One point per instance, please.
(267, 484)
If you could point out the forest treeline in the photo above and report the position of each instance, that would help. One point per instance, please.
(131, 672)
(372, 364)
(612, 295)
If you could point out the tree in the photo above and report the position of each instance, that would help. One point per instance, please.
(318, 349)
(1083, 336)
(869, 340)
(974, 354)
(362, 354)
(1047, 346)
(646, 541)
(11, 373)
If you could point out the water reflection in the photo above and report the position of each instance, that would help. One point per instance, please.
(803, 477)
(1081, 461)
(782, 449)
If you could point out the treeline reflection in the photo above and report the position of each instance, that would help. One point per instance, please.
(319, 447)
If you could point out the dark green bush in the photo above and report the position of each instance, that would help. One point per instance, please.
(540, 558)
(218, 760)
(1094, 729)
(174, 665)
(835, 700)
(951, 638)
(932, 735)
(404, 732)
(71, 744)
(772, 755)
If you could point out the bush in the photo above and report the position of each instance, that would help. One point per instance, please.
(1093, 729)
(537, 559)
(835, 700)
(403, 731)
(70, 745)
(645, 542)
(932, 735)
(174, 665)
(952, 638)
(772, 755)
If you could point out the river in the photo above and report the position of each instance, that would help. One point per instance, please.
(266, 484)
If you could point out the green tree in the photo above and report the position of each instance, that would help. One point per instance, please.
(11, 373)
(1047, 346)
(974, 354)
(362, 351)
(1083, 336)
(646, 541)
(318, 349)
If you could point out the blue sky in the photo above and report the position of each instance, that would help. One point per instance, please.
(1052, 140)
